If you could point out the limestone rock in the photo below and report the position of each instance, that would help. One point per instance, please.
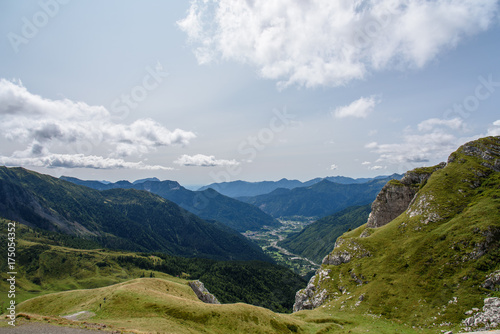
(312, 296)
(396, 196)
(202, 293)
(486, 320)
(350, 249)
(492, 281)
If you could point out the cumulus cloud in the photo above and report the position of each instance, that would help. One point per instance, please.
(376, 167)
(358, 109)
(494, 130)
(328, 42)
(433, 140)
(77, 161)
(334, 167)
(43, 124)
(201, 160)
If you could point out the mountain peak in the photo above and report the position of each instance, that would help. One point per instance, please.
(152, 179)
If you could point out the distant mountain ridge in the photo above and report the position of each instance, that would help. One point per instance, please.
(117, 218)
(207, 204)
(240, 188)
(320, 199)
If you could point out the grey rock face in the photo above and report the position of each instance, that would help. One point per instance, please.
(492, 281)
(486, 320)
(489, 153)
(395, 197)
(202, 293)
(312, 296)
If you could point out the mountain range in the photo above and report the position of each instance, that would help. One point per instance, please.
(207, 204)
(240, 188)
(319, 200)
(118, 218)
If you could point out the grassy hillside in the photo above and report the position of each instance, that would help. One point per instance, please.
(319, 200)
(426, 268)
(316, 240)
(45, 263)
(207, 204)
(119, 218)
(169, 306)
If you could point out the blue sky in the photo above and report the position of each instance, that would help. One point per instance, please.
(210, 91)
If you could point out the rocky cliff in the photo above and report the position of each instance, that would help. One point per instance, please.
(396, 196)
(429, 252)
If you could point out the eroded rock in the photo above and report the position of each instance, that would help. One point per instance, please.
(488, 319)
(202, 292)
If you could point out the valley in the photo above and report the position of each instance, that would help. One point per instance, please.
(423, 257)
(268, 239)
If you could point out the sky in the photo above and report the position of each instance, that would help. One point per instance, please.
(208, 91)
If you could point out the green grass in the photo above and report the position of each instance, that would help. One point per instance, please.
(417, 266)
(153, 304)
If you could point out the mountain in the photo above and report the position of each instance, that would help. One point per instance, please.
(153, 179)
(207, 204)
(117, 218)
(315, 240)
(429, 255)
(49, 261)
(236, 189)
(319, 200)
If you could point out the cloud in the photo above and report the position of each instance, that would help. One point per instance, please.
(365, 163)
(358, 109)
(432, 141)
(334, 167)
(77, 161)
(201, 160)
(376, 167)
(431, 124)
(43, 124)
(495, 129)
(326, 42)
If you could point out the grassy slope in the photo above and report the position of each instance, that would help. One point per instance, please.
(169, 306)
(316, 240)
(415, 269)
(45, 264)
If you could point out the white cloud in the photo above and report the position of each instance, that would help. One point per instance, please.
(326, 42)
(495, 129)
(432, 123)
(365, 163)
(43, 124)
(376, 167)
(433, 141)
(358, 109)
(334, 167)
(77, 161)
(201, 160)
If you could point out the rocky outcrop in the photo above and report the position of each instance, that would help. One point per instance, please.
(312, 296)
(396, 196)
(486, 320)
(350, 250)
(487, 149)
(492, 281)
(202, 293)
